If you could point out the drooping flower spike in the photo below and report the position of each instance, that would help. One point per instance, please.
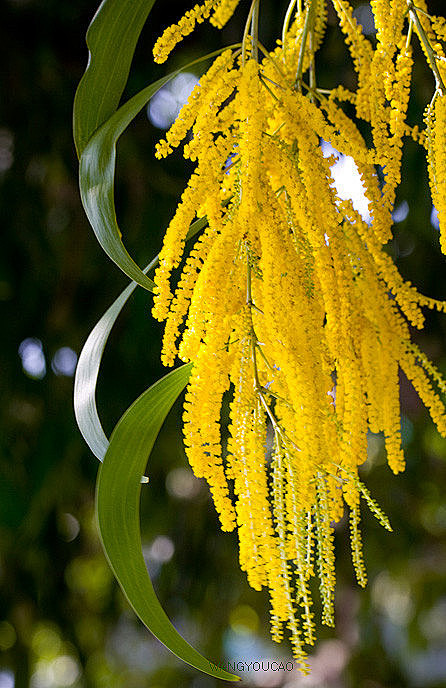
(219, 12)
(288, 303)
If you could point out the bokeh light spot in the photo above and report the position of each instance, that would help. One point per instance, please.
(64, 361)
(168, 101)
(392, 597)
(7, 635)
(7, 679)
(69, 526)
(401, 212)
(182, 484)
(244, 620)
(46, 642)
(434, 218)
(161, 549)
(33, 358)
(65, 670)
(364, 16)
(347, 180)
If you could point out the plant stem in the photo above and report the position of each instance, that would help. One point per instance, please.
(427, 46)
(254, 346)
(255, 29)
(252, 22)
(300, 63)
(312, 65)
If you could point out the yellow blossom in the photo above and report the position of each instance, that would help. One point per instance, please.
(176, 32)
(288, 303)
(436, 122)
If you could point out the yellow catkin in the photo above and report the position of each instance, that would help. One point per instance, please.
(173, 246)
(357, 555)
(211, 83)
(176, 32)
(437, 163)
(181, 301)
(288, 303)
(391, 418)
(439, 26)
(202, 430)
(424, 387)
(361, 52)
(223, 13)
(325, 555)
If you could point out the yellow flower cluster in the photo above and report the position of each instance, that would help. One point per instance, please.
(222, 11)
(436, 123)
(288, 303)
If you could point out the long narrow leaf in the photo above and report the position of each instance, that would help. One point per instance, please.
(87, 371)
(97, 173)
(89, 363)
(117, 508)
(111, 40)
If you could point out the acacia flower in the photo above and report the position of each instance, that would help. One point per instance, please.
(288, 303)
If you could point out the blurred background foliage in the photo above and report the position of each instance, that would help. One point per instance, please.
(63, 621)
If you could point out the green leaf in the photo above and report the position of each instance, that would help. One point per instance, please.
(117, 509)
(89, 363)
(97, 173)
(111, 40)
(87, 371)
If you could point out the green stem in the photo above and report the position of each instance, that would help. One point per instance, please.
(251, 22)
(255, 29)
(312, 65)
(271, 59)
(268, 364)
(418, 9)
(263, 80)
(303, 43)
(427, 46)
(254, 346)
(248, 282)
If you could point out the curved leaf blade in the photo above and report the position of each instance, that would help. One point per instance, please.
(87, 372)
(96, 179)
(97, 173)
(117, 509)
(89, 363)
(111, 40)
